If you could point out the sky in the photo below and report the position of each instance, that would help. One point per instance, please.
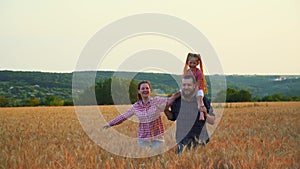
(249, 37)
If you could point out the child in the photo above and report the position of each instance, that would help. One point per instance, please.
(192, 61)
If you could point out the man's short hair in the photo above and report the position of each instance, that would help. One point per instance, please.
(190, 77)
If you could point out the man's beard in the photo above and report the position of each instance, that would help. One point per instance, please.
(188, 95)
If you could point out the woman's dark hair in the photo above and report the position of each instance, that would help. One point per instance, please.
(139, 87)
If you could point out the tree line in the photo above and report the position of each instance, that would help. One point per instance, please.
(123, 91)
(49, 100)
(232, 95)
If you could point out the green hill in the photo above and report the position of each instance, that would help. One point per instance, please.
(263, 85)
(21, 85)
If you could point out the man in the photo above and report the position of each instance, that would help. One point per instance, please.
(190, 130)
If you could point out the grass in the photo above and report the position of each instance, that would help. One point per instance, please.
(249, 135)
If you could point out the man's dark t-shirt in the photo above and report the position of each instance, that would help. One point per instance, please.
(188, 125)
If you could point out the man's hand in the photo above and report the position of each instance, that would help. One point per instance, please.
(205, 112)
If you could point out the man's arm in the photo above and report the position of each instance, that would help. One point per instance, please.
(209, 114)
(209, 118)
(168, 113)
(171, 99)
(172, 110)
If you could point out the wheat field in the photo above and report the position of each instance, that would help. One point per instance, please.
(249, 135)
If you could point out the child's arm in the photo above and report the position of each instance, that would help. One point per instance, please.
(186, 67)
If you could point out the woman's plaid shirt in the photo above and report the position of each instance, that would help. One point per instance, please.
(149, 115)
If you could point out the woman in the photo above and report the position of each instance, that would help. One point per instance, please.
(148, 110)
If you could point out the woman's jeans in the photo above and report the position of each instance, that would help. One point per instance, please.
(150, 143)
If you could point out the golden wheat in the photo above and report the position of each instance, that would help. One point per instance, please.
(249, 135)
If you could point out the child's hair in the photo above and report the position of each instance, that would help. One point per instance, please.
(193, 55)
(198, 57)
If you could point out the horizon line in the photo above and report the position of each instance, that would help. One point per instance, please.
(226, 74)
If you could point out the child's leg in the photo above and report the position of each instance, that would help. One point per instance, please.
(200, 107)
(200, 103)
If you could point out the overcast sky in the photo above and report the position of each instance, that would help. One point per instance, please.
(249, 37)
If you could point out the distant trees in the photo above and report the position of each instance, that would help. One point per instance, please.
(32, 101)
(51, 100)
(55, 89)
(280, 97)
(233, 95)
(3, 101)
(238, 95)
(109, 92)
(116, 91)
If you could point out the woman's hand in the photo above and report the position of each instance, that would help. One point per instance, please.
(106, 126)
